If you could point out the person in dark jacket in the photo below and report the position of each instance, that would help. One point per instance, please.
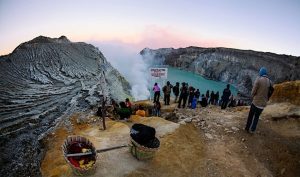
(212, 97)
(167, 92)
(217, 98)
(225, 97)
(191, 96)
(207, 95)
(176, 91)
(183, 95)
(203, 101)
(197, 94)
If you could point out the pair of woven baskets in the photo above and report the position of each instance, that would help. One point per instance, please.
(77, 170)
(141, 152)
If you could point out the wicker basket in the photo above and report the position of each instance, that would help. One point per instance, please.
(77, 170)
(141, 152)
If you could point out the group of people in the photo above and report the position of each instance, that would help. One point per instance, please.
(190, 96)
(261, 92)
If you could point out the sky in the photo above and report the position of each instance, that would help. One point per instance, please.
(262, 25)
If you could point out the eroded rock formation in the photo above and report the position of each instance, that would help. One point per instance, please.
(41, 81)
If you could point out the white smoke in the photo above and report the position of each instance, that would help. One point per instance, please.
(130, 64)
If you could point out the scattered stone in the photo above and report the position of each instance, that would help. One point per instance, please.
(188, 120)
(208, 135)
(235, 128)
(182, 122)
(282, 171)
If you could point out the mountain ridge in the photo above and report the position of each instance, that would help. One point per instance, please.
(234, 66)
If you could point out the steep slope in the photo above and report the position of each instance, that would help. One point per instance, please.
(238, 67)
(287, 92)
(41, 81)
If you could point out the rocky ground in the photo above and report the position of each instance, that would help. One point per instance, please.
(202, 142)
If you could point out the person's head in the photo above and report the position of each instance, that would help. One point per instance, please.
(127, 99)
(168, 82)
(228, 86)
(183, 84)
(177, 83)
(262, 71)
(155, 84)
(141, 107)
(202, 95)
(122, 104)
(197, 90)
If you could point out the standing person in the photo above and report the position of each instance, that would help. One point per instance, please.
(217, 98)
(191, 96)
(207, 95)
(260, 94)
(212, 97)
(183, 95)
(167, 91)
(156, 90)
(225, 97)
(197, 94)
(157, 107)
(176, 91)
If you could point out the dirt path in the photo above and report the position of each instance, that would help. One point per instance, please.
(209, 142)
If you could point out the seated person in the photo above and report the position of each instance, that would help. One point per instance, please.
(141, 112)
(124, 111)
(203, 102)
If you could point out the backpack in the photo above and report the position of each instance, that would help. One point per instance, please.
(271, 90)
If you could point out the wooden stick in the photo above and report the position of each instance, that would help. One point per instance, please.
(98, 151)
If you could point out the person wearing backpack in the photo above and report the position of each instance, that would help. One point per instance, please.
(167, 91)
(261, 92)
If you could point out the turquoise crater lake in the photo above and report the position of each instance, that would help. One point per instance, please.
(195, 80)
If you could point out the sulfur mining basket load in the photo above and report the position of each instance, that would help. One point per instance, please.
(85, 163)
(141, 152)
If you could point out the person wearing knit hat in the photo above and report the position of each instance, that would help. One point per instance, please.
(260, 95)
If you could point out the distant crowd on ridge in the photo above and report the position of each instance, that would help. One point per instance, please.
(189, 96)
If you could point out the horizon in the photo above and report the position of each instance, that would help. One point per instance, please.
(258, 26)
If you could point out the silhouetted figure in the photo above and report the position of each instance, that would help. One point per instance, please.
(212, 97)
(183, 95)
(207, 95)
(232, 101)
(156, 90)
(203, 101)
(167, 92)
(176, 91)
(191, 96)
(217, 98)
(225, 97)
(197, 94)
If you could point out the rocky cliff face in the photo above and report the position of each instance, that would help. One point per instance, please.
(41, 81)
(287, 92)
(238, 67)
